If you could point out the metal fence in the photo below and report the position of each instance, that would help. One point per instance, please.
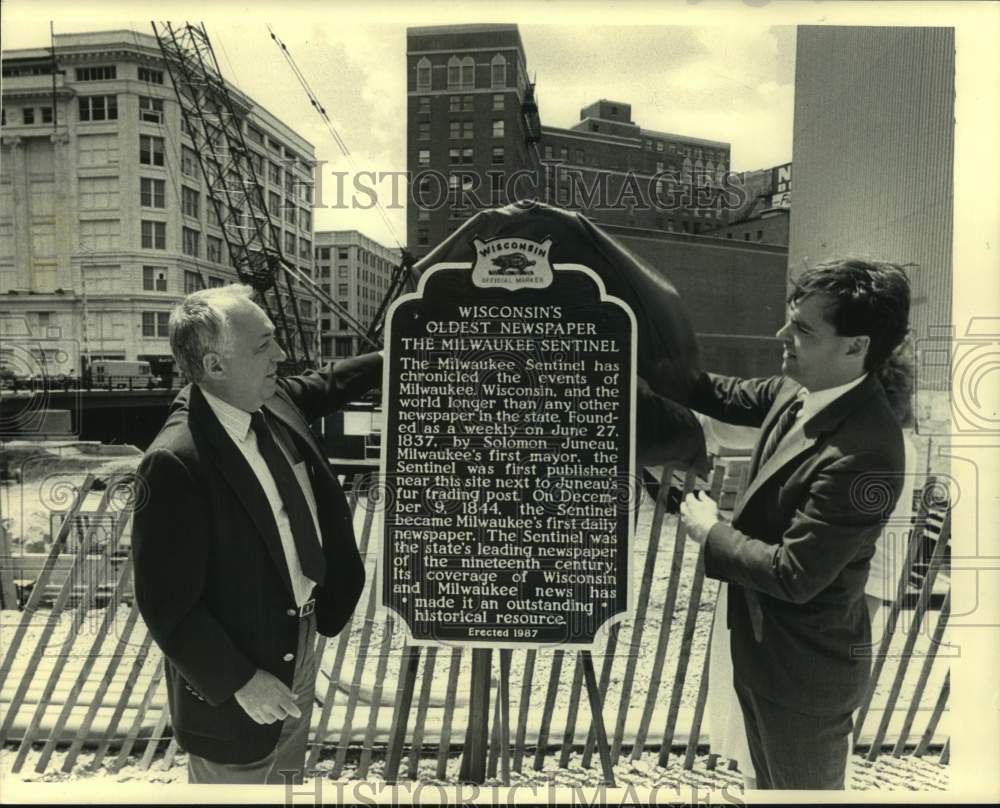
(79, 671)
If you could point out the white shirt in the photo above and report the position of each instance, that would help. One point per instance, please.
(236, 422)
(814, 402)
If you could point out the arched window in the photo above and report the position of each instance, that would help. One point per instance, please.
(699, 173)
(424, 75)
(686, 170)
(468, 73)
(454, 73)
(709, 173)
(498, 71)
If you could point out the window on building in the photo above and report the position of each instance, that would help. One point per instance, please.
(498, 128)
(305, 248)
(498, 71)
(305, 220)
(468, 73)
(274, 173)
(342, 254)
(154, 279)
(454, 130)
(424, 75)
(150, 75)
(214, 282)
(189, 162)
(424, 104)
(97, 73)
(274, 203)
(659, 145)
(290, 211)
(467, 130)
(454, 103)
(497, 155)
(422, 236)
(28, 115)
(150, 109)
(152, 192)
(192, 282)
(46, 114)
(289, 245)
(467, 102)
(423, 130)
(423, 215)
(323, 253)
(454, 73)
(154, 235)
(423, 157)
(548, 152)
(213, 249)
(595, 127)
(98, 107)
(289, 182)
(564, 154)
(150, 150)
(760, 235)
(580, 160)
(190, 242)
(342, 290)
(189, 201)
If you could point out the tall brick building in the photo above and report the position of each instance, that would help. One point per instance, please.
(474, 137)
(468, 129)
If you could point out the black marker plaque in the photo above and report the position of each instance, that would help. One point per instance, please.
(508, 452)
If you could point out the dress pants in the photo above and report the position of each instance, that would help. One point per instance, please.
(793, 750)
(290, 753)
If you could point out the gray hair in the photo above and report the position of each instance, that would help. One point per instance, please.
(199, 325)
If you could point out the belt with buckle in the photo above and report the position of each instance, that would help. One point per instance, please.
(306, 608)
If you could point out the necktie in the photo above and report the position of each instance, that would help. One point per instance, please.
(781, 427)
(303, 530)
(784, 423)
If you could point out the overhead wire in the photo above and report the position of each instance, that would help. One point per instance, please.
(341, 144)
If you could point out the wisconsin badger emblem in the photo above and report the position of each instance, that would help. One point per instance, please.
(512, 264)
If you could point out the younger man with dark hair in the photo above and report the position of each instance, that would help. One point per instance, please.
(796, 555)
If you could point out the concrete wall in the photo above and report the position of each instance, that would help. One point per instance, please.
(873, 156)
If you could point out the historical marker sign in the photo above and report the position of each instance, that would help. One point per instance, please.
(508, 452)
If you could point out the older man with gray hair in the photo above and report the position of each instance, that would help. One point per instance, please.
(243, 543)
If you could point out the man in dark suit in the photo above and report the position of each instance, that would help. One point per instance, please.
(826, 472)
(243, 540)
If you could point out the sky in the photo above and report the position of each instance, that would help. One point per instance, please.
(720, 82)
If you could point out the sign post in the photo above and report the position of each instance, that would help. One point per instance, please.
(508, 458)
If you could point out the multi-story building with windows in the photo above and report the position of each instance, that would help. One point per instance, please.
(474, 139)
(467, 131)
(105, 219)
(618, 173)
(356, 271)
(474, 136)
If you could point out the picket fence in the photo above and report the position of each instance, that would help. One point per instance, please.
(81, 676)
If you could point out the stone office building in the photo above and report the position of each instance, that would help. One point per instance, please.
(105, 221)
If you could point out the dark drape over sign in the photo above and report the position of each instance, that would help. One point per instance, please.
(668, 354)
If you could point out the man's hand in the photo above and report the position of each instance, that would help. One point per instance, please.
(699, 514)
(266, 699)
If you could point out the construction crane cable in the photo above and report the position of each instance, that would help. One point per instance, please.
(341, 144)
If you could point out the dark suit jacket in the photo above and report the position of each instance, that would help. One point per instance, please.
(211, 579)
(802, 536)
